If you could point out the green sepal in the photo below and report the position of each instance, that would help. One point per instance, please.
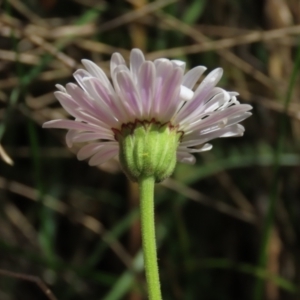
(148, 149)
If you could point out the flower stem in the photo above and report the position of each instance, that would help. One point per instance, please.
(146, 186)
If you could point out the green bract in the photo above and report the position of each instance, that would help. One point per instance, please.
(148, 149)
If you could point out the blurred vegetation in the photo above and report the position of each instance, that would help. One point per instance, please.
(228, 227)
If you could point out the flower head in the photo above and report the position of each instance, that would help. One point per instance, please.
(144, 94)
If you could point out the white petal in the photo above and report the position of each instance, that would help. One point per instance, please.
(160, 60)
(206, 147)
(179, 63)
(201, 95)
(60, 87)
(203, 148)
(185, 157)
(186, 93)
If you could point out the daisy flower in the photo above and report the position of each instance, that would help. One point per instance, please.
(149, 116)
(146, 94)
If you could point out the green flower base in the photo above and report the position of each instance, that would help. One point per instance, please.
(148, 149)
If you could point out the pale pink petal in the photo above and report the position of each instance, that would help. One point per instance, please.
(231, 101)
(107, 115)
(115, 61)
(89, 150)
(104, 154)
(200, 96)
(226, 114)
(129, 93)
(117, 70)
(86, 103)
(136, 60)
(112, 101)
(146, 79)
(170, 95)
(213, 118)
(69, 124)
(204, 130)
(215, 95)
(80, 75)
(229, 131)
(192, 76)
(72, 108)
(238, 118)
(214, 103)
(147, 91)
(96, 71)
(69, 136)
(80, 97)
(164, 70)
(85, 137)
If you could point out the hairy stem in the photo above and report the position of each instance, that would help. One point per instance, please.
(146, 186)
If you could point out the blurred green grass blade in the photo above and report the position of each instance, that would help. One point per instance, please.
(112, 235)
(45, 215)
(14, 95)
(126, 280)
(91, 15)
(13, 99)
(273, 196)
(193, 11)
(189, 174)
(220, 263)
